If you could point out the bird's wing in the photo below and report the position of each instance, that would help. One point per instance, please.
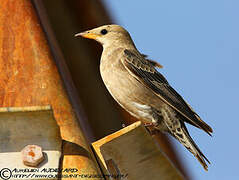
(152, 62)
(145, 72)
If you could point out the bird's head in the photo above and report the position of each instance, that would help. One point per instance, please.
(108, 35)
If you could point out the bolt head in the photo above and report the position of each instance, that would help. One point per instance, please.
(32, 155)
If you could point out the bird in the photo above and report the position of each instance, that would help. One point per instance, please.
(138, 87)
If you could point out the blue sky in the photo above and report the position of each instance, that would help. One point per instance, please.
(197, 42)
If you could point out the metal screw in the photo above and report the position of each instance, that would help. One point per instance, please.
(32, 155)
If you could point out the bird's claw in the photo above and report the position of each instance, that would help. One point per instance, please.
(150, 128)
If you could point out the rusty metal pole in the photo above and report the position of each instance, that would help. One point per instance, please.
(29, 77)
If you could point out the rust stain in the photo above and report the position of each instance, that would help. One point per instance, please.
(29, 76)
(31, 153)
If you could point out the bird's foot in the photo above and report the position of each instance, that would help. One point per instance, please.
(148, 125)
(150, 128)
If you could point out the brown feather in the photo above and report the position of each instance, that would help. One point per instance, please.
(147, 74)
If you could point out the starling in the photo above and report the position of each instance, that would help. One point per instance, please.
(141, 90)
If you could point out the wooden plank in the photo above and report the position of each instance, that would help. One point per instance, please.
(132, 152)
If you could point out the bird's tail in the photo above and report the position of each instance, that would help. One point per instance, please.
(188, 142)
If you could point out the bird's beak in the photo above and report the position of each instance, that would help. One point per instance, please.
(88, 34)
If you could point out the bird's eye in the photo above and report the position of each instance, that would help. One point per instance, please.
(103, 31)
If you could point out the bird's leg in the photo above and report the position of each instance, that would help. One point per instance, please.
(150, 128)
(147, 124)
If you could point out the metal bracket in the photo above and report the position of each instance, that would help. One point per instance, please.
(22, 126)
(131, 153)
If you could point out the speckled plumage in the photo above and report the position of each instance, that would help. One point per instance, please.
(141, 90)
